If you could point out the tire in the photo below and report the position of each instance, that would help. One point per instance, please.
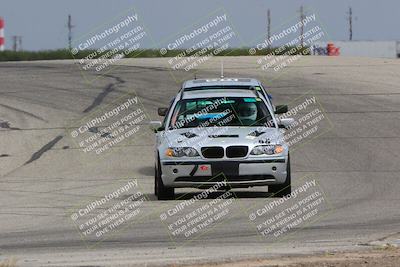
(281, 190)
(162, 192)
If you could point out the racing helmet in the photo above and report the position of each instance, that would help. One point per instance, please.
(247, 112)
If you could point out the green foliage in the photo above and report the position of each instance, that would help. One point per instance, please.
(66, 54)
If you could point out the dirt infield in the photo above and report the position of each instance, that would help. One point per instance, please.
(387, 257)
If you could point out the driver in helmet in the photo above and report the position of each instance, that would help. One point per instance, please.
(247, 113)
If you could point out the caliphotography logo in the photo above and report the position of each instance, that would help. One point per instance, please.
(213, 35)
(103, 48)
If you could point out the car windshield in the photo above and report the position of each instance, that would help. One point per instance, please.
(216, 87)
(225, 111)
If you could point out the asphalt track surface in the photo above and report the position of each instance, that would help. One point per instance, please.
(45, 176)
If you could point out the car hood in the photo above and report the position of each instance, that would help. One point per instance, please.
(210, 136)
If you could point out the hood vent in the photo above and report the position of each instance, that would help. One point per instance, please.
(255, 133)
(189, 135)
(224, 136)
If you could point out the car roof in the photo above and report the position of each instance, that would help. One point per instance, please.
(219, 93)
(220, 82)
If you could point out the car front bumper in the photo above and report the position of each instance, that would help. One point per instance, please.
(236, 173)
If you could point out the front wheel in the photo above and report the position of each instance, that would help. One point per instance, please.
(162, 192)
(281, 190)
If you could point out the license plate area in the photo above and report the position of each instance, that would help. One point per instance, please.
(227, 168)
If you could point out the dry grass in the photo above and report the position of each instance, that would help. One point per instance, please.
(12, 262)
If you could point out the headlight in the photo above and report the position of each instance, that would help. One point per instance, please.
(181, 152)
(267, 150)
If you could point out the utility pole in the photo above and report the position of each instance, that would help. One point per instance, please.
(19, 43)
(269, 27)
(302, 26)
(70, 26)
(350, 24)
(14, 47)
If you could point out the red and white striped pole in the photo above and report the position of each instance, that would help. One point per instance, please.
(1, 34)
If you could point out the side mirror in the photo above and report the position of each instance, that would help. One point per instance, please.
(155, 125)
(285, 123)
(280, 109)
(162, 112)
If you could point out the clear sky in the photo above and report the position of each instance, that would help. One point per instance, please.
(42, 23)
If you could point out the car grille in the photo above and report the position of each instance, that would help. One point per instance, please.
(236, 151)
(216, 152)
(212, 152)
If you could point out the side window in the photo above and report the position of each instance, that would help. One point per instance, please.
(268, 97)
(177, 114)
(262, 91)
(169, 108)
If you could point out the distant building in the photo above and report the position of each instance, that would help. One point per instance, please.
(379, 49)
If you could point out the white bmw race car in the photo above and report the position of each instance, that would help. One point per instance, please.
(221, 130)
